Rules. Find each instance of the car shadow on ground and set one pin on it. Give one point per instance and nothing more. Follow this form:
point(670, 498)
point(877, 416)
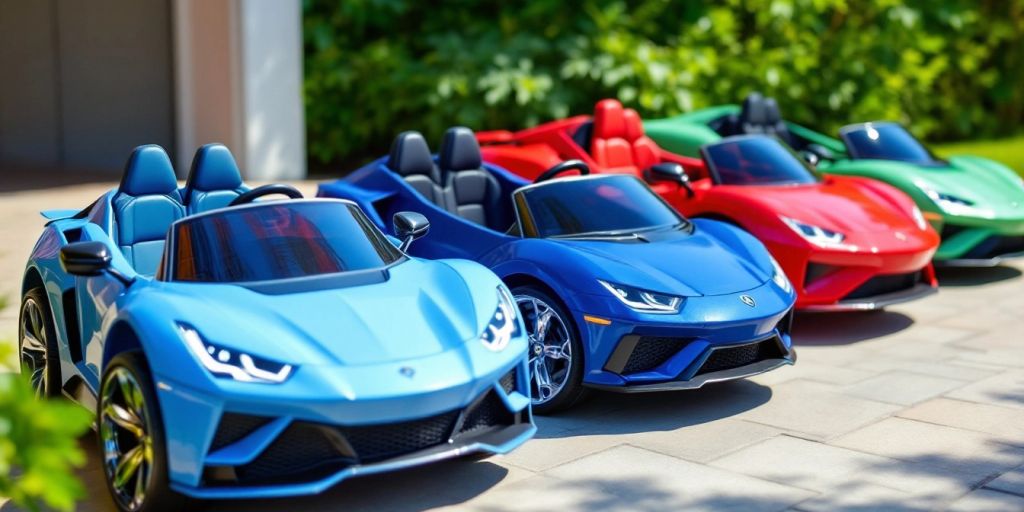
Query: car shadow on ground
point(608, 413)
point(973, 276)
point(830, 329)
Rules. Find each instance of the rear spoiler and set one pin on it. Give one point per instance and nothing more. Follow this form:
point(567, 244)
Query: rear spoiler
point(58, 214)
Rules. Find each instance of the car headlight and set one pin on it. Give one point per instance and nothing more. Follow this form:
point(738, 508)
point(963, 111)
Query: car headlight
point(779, 276)
point(229, 363)
point(504, 324)
point(814, 234)
point(952, 204)
point(919, 219)
point(644, 300)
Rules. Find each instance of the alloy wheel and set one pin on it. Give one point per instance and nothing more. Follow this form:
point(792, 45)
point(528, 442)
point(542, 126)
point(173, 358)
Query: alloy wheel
point(126, 438)
point(551, 357)
point(34, 351)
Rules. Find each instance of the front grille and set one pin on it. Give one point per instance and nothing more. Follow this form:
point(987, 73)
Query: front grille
point(487, 413)
point(994, 246)
point(727, 358)
point(508, 382)
point(378, 442)
point(880, 285)
point(651, 352)
point(301, 448)
point(235, 427)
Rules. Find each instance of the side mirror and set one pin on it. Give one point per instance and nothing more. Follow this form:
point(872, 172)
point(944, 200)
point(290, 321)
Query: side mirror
point(86, 259)
point(667, 171)
point(410, 226)
point(90, 259)
point(810, 157)
point(821, 152)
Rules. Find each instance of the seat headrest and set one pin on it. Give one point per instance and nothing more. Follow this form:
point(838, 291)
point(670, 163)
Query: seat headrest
point(459, 150)
point(410, 155)
point(608, 120)
point(634, 127)
point(771, 111)
point(213, 168)
point(753, 109)
point(149, 172)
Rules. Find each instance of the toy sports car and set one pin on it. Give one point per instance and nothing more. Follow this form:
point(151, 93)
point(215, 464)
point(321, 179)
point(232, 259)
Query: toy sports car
point(975, 203)
point(618, 291)
point(264, 348)
point(845, 243)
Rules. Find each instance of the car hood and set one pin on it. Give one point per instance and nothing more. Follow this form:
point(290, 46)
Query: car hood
point(837, 204)
point(423, 308)
point(680, 263)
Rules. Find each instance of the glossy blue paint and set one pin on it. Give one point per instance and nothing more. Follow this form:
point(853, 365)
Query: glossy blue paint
point(711, 267)
point(376, 354)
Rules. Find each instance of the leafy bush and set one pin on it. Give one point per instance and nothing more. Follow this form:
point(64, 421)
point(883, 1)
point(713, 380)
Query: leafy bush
point(948, 68)
point(38, 444)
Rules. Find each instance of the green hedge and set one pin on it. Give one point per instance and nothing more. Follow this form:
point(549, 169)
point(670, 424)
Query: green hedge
point(951, 69)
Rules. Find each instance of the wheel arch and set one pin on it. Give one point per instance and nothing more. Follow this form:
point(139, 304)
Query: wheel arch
point(32, 279)
point(121, 338)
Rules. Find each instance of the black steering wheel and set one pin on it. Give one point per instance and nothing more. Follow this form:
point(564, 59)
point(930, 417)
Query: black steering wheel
point(266, 190)
point(566, 166)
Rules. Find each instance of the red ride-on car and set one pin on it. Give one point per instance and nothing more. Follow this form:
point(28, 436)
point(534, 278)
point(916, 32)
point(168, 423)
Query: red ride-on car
point(845, 243)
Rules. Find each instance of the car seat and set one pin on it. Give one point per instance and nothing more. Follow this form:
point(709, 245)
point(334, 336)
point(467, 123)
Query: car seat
point(213, 181)
point(145, 205)
point(475, 194)
point(410, 158)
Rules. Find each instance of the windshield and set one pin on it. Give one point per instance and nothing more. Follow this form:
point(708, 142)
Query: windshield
point(600, 205)
point(885, 141)
point(755, 160)
point(279, 240)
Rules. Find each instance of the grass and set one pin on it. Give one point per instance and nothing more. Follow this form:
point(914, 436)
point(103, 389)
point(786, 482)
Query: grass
point(1010, 151)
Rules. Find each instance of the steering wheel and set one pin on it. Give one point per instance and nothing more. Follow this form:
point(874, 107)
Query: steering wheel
point(566, 166)
point(266, 190)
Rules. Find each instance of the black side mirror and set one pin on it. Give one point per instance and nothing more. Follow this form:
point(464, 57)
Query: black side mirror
point(86, 259)
point(90, 259)
point(810, 157)
point(410, 226)
point(667, 171)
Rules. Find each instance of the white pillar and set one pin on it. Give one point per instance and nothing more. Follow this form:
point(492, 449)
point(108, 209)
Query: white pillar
point(238, 80)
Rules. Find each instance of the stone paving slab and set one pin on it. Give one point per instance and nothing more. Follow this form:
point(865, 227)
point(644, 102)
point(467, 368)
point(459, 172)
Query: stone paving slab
point(919, 407)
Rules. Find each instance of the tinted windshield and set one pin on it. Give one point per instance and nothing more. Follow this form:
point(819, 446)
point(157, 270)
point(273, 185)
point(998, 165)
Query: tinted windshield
point(614, 204)
point(755, 161)
point(279, 240)
point(885, 141)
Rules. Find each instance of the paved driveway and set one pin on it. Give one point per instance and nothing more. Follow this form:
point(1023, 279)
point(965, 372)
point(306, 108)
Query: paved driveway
point(917, 407)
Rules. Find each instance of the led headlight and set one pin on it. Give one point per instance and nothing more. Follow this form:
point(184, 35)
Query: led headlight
point(919, 218)
point(643, 300)
point(952, 204)
point(229, 363)
point(814, 234)
point(504, 324)
point(779, 276)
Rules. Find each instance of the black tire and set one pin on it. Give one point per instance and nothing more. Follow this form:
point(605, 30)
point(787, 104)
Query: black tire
point(157, 494)
point(572, 391)
point(37, 344)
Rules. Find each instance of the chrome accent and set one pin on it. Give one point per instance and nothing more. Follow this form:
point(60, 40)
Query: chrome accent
point(550, 348)
point(124, 427)
point(33, 347)
point(877, 302)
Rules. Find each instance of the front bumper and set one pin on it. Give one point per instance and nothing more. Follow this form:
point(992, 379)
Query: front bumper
point(227, 448)
point(875, 302)
point(688, 349)
point(755, 366)
point(964, 246)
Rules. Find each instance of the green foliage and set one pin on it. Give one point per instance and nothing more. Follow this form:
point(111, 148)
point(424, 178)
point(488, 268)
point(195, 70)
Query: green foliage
point(38, 445)
point(948, 68)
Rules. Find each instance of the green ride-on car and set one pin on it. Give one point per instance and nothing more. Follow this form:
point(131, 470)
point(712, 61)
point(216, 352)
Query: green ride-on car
point(976, 204)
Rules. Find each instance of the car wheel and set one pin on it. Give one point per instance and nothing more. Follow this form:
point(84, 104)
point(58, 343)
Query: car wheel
point(37, 344)
point(132, 439)
point(556, 354)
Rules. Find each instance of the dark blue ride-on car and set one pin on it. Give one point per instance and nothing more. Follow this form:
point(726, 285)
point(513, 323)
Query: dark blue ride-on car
point(618, 291)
